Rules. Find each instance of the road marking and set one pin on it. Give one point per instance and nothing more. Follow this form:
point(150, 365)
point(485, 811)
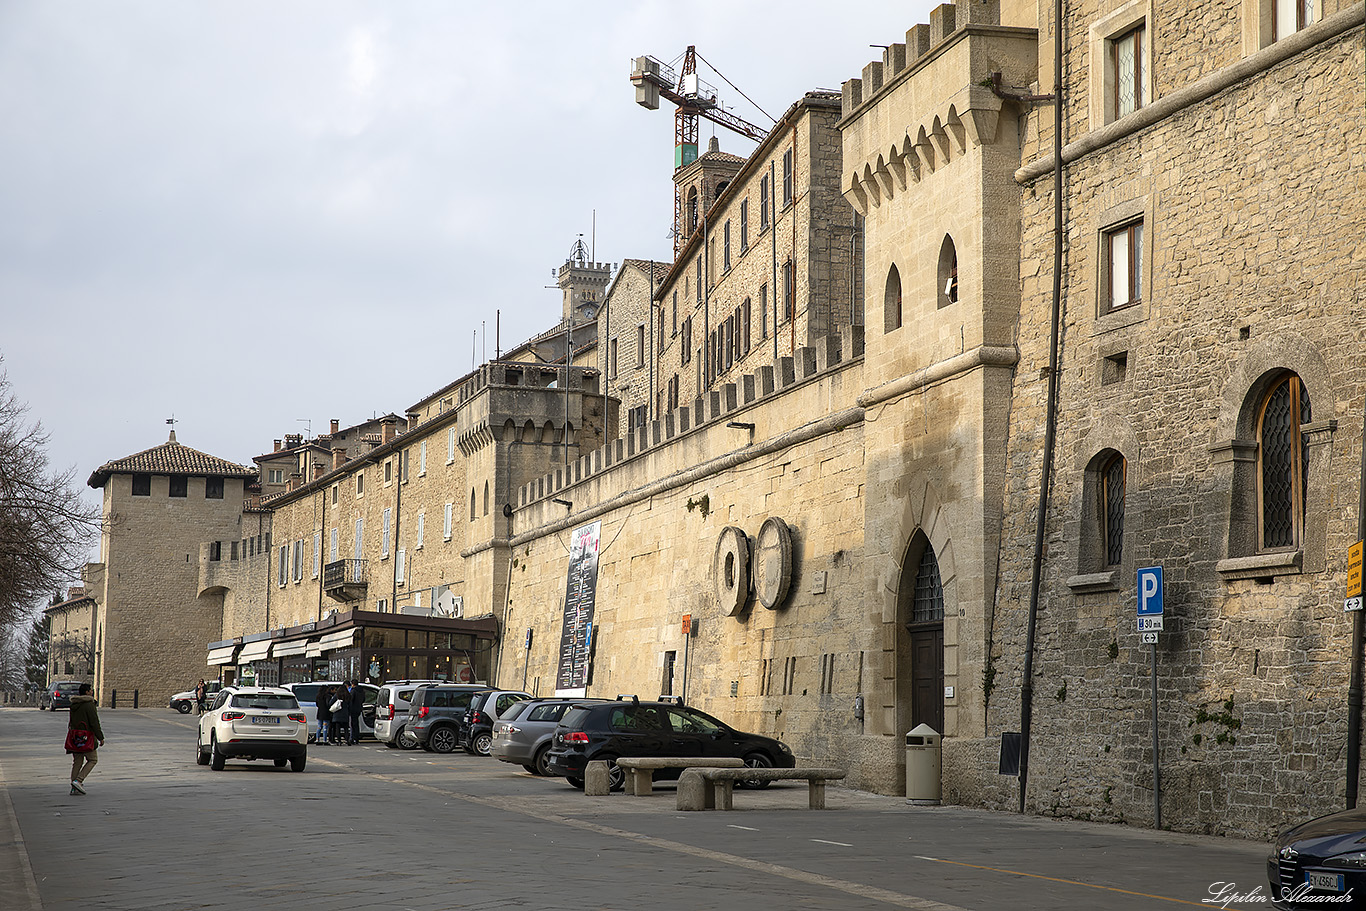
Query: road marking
point(746, 828)
point(822, 841)
point(1070, 882)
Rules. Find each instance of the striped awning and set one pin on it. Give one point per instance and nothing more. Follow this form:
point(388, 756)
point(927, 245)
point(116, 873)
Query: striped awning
point(223, 655)
point(290, 649)
point(254, 651)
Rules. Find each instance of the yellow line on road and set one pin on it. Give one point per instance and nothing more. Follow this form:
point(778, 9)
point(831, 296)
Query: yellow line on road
point(1070, 882)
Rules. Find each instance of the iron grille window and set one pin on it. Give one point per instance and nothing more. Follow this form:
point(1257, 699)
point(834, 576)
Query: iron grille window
point(929, 591)
point(1284, 463)
point(1112, 509)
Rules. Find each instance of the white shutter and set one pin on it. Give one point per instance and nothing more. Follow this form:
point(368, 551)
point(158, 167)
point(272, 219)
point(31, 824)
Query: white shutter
point(360, 530)
point(421, 527)
point(384, 535)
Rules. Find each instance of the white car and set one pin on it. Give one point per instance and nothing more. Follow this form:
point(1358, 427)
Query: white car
point(184, 702)
point(253, 722)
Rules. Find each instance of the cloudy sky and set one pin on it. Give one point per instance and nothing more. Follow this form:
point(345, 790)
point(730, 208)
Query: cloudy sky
point(257, 216)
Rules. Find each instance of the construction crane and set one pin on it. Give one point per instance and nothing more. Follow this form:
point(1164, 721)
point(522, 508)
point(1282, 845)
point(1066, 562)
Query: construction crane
point(694, 98)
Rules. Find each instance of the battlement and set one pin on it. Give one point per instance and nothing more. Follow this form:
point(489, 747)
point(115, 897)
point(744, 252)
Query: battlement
point(830, 354)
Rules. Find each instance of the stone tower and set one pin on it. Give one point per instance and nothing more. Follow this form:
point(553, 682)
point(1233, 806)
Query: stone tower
point(583, 284)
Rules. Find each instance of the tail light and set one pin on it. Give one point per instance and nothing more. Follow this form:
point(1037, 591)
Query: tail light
point(576, 737)
point(422, 712)
point(388, 713)
point(478, 718)
point(233, 716)
point(297, 716)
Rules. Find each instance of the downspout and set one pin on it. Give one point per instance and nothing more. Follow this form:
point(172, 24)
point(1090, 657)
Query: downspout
point(706, 302)
point(398, 517)
point(1051, 422)
point(792, 273)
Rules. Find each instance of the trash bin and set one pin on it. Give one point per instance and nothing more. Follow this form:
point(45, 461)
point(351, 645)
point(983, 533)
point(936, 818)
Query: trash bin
point(923, 786)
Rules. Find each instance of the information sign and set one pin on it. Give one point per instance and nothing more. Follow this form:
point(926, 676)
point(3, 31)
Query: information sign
point(1354, 571)
point(1149, 639)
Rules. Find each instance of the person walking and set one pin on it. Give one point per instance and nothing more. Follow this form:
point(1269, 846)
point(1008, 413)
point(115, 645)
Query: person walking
point(201, 692)
point(84, 718)
point(324, 698)
point(355, 705)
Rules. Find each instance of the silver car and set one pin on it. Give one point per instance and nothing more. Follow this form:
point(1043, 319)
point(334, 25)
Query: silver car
point(523, 737)
point(391, 712)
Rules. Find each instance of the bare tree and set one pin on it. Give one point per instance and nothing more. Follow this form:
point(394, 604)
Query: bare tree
point(45, 528)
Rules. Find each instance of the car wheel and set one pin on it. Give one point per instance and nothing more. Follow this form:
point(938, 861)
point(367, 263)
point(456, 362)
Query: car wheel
point(280, 763)
point(298, 762)
point(575, 782)
point(200, 757)
point(757, 761)
point(182, 707)
point(406, 740)
point(442, 740)
point(216, 759)
point(541, 762)
point(482, 744)
point(616, 775)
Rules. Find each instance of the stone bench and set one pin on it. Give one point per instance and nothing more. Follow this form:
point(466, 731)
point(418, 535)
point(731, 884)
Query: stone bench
point(708, 789)
point(640, 769)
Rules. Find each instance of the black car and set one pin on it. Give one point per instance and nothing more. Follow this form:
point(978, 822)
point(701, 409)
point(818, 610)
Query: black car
point(608, 730)
point(58, 695)
point(1320, 860)
point(475, 727)
point(435, 712)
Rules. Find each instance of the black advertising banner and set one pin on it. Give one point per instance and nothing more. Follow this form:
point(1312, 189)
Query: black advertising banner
point(580, 594)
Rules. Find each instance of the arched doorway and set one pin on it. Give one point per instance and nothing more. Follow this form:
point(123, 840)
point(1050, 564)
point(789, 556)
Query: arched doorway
point(920, 657)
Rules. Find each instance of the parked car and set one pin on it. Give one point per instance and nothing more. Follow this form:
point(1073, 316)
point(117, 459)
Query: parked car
point(525, 734)
point(475, 727)
point(58, 695)
point(589, 732)
point(1319, 861)
point(434, 711)
point(253, 722)
point(391, 712)
point(184, 702)
point(307, 694)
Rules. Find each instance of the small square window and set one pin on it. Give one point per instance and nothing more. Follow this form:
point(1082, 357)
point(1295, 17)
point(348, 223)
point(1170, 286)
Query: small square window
point(1113, 368)
point(142, 485)
point(180, 485)
point(360, 485)
point(213, 488)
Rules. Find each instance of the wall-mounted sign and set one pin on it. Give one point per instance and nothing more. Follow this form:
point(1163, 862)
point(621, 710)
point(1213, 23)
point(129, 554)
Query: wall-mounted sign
point(580, 595)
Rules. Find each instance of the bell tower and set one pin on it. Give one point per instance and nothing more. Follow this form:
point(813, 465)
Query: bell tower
point(583, 284)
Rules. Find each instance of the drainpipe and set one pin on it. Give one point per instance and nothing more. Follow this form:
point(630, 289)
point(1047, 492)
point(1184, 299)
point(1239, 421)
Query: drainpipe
point(1051, 423)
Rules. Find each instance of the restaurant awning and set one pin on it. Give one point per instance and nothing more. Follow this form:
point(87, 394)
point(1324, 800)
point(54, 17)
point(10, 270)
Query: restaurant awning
point(222, 655)
point(290, 649)
point(337, 640)
point(254, 651)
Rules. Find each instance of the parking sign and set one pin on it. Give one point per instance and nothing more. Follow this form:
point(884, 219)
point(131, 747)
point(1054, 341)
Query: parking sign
point(1150, 592)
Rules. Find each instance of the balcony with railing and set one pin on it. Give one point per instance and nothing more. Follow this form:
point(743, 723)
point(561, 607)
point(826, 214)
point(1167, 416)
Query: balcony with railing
point(346, 580)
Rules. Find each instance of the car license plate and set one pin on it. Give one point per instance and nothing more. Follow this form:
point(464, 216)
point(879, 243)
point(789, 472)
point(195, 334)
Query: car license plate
point(1324, 882)
point(265, 719)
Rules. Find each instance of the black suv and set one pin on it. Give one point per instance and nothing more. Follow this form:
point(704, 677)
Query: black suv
point(607, 730)
point(434, 713)
point(475, 728)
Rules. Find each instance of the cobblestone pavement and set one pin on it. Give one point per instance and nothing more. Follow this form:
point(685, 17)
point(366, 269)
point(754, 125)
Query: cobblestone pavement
point(368, 827)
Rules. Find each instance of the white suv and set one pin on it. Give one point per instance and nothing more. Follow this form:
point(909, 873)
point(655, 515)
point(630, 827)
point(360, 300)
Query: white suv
point(253, 722)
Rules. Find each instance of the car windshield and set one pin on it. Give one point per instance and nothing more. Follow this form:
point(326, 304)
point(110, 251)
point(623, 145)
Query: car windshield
point(264, 701)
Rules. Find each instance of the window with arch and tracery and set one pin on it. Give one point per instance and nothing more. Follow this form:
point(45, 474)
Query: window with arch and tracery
point(1282, 464)
point(928, 603)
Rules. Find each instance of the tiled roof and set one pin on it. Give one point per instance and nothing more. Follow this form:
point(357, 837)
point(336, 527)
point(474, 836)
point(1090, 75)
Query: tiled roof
point(170, 458)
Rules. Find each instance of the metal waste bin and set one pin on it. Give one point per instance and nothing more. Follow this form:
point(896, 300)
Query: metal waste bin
point(923, 786)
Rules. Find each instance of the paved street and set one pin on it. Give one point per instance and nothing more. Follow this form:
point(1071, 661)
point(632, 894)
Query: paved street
point(367, 827)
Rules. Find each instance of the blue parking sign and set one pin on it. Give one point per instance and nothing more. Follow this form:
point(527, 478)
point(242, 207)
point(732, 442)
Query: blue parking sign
point(1150, 592)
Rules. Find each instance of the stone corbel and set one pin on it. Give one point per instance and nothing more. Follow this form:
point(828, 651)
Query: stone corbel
point(940, 138)
point(856, 197)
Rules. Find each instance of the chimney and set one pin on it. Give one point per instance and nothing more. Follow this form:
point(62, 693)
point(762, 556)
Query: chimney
point(338, 458)
point(74, 592)
point(277, 446)
point(336, 426)
point(317, 470)
point(389, 430)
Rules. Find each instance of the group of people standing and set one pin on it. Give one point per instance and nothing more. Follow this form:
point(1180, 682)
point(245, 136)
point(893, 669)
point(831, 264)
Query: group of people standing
point(339, 711)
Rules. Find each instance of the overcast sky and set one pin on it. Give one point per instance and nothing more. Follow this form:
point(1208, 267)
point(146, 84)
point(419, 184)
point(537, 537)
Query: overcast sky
point(257, 216)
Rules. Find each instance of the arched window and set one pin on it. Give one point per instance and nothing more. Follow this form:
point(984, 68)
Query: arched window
point(1282, 463)
point(1111, 508)
point(486, 498)
point(948, 273)
point(471, 504)
point(891, 302)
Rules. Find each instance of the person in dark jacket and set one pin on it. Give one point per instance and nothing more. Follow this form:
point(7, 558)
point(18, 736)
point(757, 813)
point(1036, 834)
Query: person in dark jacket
point(84, 715)
point(325, 698)
point(355, 704)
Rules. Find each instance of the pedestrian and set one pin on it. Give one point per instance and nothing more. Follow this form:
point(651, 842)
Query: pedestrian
point(338, 697)
point(324, 698)
point(83, 737)
point(355, 704)
point(201, 692)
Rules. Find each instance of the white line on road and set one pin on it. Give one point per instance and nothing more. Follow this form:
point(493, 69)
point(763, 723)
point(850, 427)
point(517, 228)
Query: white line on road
point(746, 828)
point(822, 841)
